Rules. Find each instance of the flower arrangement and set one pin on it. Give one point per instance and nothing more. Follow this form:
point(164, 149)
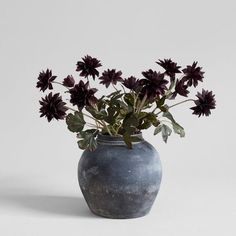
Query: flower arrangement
point(135, 105)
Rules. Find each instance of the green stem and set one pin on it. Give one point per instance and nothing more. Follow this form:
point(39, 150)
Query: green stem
point(176, 104)
point(154, 109)
point(135, 100)
point(108, 130)
point(123, 89)
point(141, 104)
point(114, 87)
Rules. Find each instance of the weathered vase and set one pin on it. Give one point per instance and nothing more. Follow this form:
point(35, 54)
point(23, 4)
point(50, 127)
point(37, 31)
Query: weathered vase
point(118, 182)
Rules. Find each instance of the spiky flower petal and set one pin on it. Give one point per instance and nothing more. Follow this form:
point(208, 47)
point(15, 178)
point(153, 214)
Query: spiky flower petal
point(131, 83)
point(171, 67)
point(69, 81)
point(88, 66)
point(110, 77)
point(193, 74)
point(52, 106)
point(153, 84)
point(204, 104)
point(45, 79)
point(81, 95)
point(181, 88)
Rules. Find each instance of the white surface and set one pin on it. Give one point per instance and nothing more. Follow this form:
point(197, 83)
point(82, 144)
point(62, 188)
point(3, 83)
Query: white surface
point(39, 193)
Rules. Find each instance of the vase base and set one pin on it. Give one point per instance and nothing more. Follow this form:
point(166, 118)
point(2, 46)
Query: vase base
point(123, 216)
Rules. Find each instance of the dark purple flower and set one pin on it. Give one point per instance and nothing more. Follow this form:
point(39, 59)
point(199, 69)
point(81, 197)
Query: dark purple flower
point(81, 95)
point(153, 85)
point(170, 67)
point(193, 74)
point(88, 66)
point(204, 103)
point(69, 81)
point(45, 80)
point(110, 77)
point(181, 88)
point(52, 106)
point(131, 83)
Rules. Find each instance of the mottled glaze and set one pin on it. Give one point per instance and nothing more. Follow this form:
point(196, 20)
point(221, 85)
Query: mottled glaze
point(118, 182)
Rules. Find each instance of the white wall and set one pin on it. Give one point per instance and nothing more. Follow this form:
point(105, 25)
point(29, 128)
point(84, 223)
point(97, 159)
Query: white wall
point(38, 161)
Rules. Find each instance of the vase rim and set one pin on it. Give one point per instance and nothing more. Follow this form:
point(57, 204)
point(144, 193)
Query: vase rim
point(105, 138)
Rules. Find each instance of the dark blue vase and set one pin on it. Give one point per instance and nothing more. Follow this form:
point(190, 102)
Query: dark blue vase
point(118, 182)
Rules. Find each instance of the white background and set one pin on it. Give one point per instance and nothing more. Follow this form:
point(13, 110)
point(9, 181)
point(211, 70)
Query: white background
point(39, 193)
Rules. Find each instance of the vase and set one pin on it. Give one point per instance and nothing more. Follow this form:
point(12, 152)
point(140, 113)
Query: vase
point(118, 182)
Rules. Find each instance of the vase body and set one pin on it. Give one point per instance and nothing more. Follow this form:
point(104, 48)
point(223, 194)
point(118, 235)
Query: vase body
point(118, 182)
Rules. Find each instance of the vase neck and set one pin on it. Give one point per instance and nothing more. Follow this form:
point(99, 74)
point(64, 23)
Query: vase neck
point(116, 140)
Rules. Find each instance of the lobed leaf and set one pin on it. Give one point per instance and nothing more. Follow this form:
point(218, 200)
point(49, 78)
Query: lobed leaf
point(75, 122)
point(88, 139)
point(166, 132)
point(178, 129)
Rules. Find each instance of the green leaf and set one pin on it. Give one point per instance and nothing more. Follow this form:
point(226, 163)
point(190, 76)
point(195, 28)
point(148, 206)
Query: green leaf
point(153, 119)
point(121, 104)
point(142, 115)
point(158, 129)
point(130, 122)
point(99, 115)
point(114, 94)
point(145, 124)
point(116, 97)
point(130, 139)
point(127, 139)
point(82, 144)
point(101, 103)
point(88, 139)
point(161, 101)
point(135, 139)
point(147, 119)
point(166, 132)
point(178, 129)
point(113, 112)
point(75, 123)
point(168, 115)
point(129, 99)
point(164, 108)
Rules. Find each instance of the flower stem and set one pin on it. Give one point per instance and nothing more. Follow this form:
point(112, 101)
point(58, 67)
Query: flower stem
point(154, 109)
point(70, 108)
point(176, 104)
point(114, 87)
point(55, 82)
point(139, 108)
point(108, 130)
point(135, 96)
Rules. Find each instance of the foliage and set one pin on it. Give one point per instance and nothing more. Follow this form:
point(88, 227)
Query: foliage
point(135, 105)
